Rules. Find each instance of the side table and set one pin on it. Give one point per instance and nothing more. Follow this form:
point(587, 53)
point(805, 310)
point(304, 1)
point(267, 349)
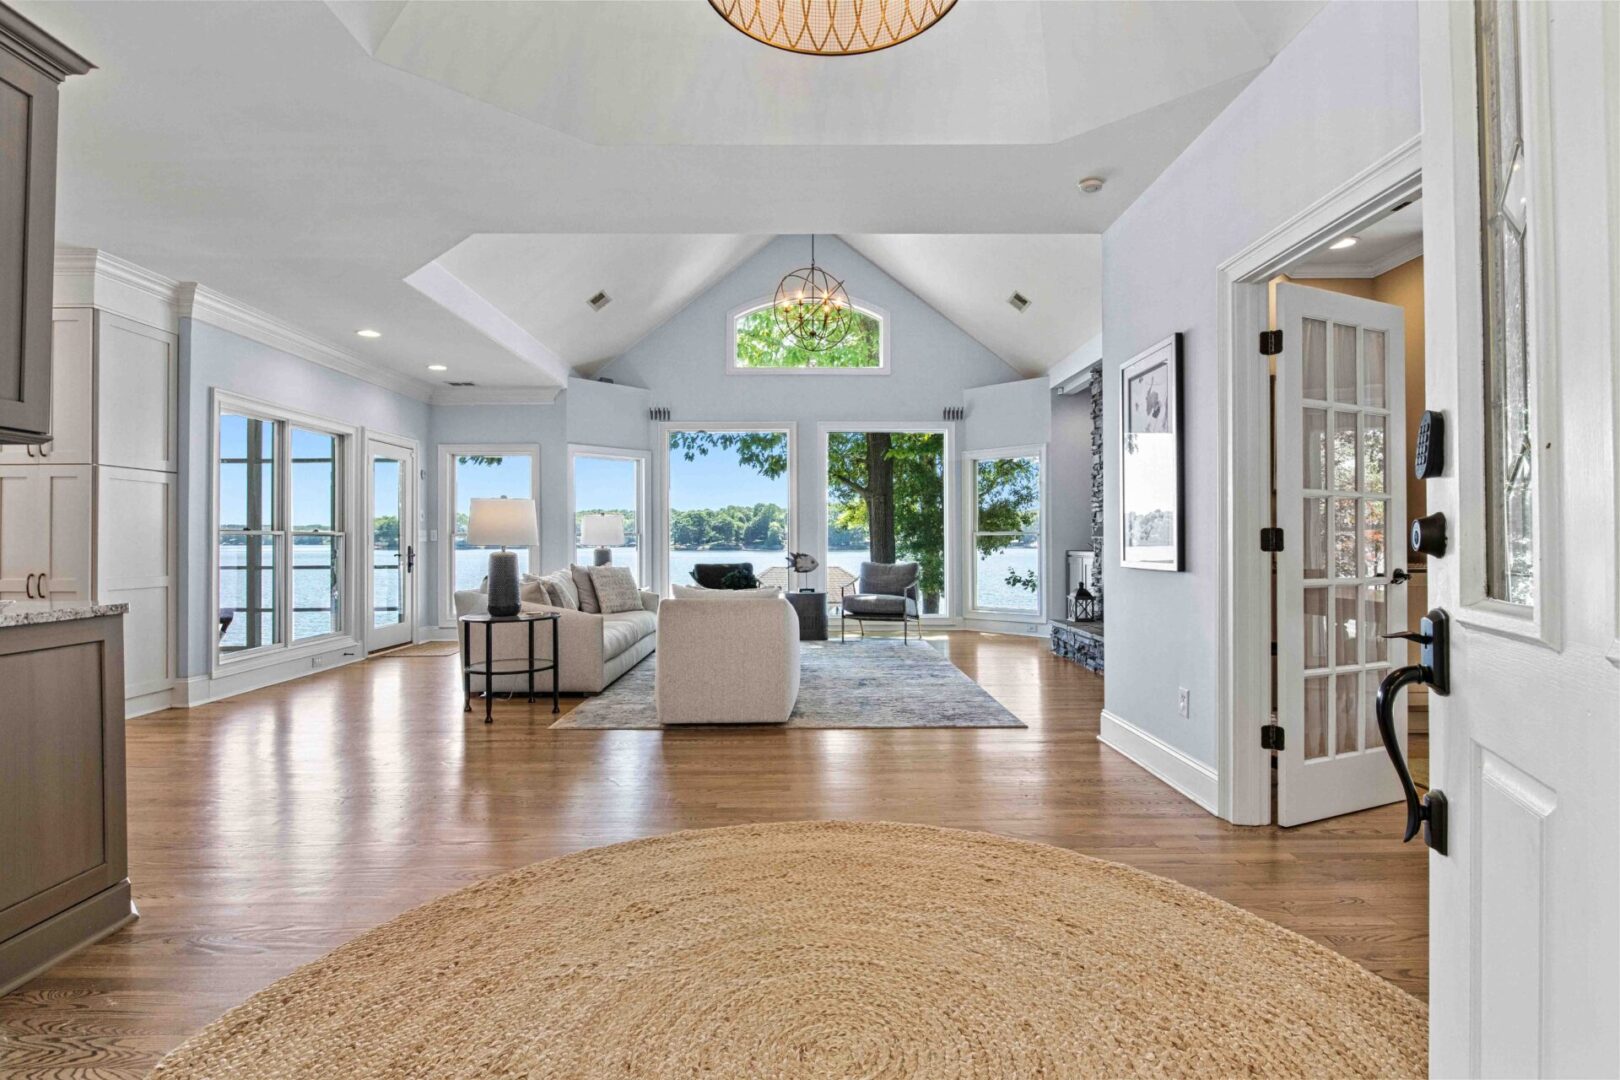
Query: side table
point(492, 667)
point(812, 609)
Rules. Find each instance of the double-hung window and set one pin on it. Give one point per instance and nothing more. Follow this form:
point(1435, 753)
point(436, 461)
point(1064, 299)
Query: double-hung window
point(280, 549)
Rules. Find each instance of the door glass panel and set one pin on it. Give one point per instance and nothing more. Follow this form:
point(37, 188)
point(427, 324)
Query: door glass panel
point(1344, 364)
point(1346, 719)
point(1315, 449)
point(387, 563)
point(1510, 482)
point(1372, 452)
point(1373, 623)
point(1373, 739)
point(1316, 628)
point(1316, 717)
point(1373, 368)
point(1345, 627)
point(1316, 538)
point(1344, 538)
point(1372, 538)
point(1314, 348)
point(1344, 451)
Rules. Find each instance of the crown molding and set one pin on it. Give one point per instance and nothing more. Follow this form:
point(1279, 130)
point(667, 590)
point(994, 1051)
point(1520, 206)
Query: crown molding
point(496, 395)
point(26, 40)
point(89, 277)
point(202, 304)
point(1399, 257)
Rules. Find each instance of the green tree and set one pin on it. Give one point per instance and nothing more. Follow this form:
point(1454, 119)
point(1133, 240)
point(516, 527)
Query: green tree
point(893, 485)
point(760, 344)
point(1008, 491)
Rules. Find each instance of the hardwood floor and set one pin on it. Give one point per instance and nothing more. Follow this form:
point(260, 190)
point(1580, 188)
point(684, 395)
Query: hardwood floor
point(267, 829)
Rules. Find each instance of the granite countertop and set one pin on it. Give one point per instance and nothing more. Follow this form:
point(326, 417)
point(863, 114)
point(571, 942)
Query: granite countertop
point(33, 617)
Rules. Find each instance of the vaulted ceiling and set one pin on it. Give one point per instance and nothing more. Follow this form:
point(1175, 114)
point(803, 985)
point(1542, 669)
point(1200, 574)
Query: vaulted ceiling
point(310, 159)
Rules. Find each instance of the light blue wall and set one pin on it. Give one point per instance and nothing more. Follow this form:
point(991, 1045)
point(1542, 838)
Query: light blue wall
point(213, 358)
point(682, 364)
point(1342, 95)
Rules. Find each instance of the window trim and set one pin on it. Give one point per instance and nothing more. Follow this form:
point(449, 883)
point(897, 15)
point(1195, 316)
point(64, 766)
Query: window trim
point(788, 427)
point(970, 513)
point(445, 513)
point(736, 313)
point(222, 402)
point(643, 461)
point(952, 604)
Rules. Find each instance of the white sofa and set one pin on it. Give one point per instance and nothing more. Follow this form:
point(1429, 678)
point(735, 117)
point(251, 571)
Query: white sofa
point(727, 660)
point(596, 649)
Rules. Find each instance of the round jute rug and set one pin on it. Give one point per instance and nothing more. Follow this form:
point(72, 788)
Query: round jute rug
point(820, 949)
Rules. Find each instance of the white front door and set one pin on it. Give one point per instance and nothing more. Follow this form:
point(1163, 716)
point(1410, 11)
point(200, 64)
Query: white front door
point(1521, 158)
point(391, 543)
point(1341, 494)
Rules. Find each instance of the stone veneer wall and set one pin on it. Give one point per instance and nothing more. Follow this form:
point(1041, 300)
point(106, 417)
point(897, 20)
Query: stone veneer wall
point(1096, 583)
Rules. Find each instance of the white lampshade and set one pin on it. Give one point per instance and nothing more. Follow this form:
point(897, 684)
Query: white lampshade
point(502, 523)
point(601, 530)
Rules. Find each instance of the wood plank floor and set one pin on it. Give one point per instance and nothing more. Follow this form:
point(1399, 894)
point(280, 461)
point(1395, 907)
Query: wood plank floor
point(267, 829)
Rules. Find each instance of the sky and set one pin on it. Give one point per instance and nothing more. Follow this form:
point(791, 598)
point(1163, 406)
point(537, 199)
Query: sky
point(719, 479)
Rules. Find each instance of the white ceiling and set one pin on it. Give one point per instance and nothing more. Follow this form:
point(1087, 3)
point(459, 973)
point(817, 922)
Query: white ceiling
point(655, 71)
point(969, 279)
point(260, 149)
point(1392, 240)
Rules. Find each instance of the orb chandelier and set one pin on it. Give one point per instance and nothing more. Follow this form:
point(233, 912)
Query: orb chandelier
point(832, 27)
point(812, 308)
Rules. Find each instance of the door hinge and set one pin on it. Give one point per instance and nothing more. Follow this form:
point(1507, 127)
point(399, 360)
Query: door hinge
point(1271, 737)
point(1271, 539)
point(1270, 342)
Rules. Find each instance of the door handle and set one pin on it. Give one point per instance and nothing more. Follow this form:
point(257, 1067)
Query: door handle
point(1399, 577)
point(410, 559)
point(1433, 670)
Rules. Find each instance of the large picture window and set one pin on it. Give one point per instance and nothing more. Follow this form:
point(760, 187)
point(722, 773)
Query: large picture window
point(1006, 525)
point(281, 540)
point(480, 471)
point(730, 499)
point(758, 345)
point(886, 503)
point(611, 483)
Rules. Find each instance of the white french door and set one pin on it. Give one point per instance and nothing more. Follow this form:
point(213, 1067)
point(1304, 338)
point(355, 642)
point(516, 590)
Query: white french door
point(1341, 496)
point(1521, 158)
point(391, 543)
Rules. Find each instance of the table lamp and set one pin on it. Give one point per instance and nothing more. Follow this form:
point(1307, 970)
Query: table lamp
point(603, 532)
point(503, 523)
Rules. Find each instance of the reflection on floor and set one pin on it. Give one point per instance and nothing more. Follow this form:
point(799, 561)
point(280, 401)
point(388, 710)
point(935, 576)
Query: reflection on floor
point(269, 828)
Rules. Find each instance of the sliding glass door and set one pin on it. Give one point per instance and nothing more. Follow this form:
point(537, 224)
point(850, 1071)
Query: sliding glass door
point(730, 499)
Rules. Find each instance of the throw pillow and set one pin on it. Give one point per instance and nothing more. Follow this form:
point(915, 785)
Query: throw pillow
point(560, 586)
point(615, 589)
point(536, 592)
point(586, 590)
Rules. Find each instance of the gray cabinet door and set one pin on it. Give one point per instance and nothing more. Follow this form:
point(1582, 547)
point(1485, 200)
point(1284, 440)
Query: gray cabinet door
point(28, 101)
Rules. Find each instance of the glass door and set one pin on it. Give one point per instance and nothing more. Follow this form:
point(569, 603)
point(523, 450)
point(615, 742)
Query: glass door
point(391, 562)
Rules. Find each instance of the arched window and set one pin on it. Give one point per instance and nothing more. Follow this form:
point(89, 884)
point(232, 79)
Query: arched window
point(756, 345)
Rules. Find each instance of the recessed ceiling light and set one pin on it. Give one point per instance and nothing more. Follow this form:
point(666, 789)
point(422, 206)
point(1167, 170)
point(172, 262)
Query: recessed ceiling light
point(1090, 184)
point(369, 333)
point(1342, 243)
point(437, 367)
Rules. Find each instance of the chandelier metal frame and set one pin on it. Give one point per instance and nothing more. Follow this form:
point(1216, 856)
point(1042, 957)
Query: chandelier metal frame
point(812, 307)
point(832, 27)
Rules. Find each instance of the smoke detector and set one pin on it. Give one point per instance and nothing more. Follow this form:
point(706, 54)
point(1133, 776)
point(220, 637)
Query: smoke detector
point(1090, 184)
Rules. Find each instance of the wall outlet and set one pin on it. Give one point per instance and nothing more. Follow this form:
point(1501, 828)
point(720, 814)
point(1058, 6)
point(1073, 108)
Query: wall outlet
point(1182, 704)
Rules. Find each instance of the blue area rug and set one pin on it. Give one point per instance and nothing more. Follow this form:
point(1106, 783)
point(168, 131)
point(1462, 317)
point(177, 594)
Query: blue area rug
point(856, 684)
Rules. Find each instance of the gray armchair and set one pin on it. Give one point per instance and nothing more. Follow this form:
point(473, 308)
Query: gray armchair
point(885, 592)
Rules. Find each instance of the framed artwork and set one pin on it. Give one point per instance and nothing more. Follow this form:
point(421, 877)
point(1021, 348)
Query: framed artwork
point(1150, 496)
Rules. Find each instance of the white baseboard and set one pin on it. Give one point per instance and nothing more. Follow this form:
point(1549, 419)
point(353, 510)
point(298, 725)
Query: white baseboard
point(995, 625)
point(1187, 775)
point(202, 689)
point(149, 702)
point(425, 634)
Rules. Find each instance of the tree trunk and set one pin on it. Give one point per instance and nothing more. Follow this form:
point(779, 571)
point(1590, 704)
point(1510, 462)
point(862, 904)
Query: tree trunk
point(880, 496)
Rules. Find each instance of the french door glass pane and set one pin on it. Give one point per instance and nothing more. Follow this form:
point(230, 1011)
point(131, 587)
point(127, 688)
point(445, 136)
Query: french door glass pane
point(1373, 368)
point(1510, 482)
point(1344, 538)
point(1344, 451)
point(1346, 627)
point(1344, 364)
point(1373, 541)
point(1373, 428)
point(247, 592)
point(1347, 703)
point(607, 485)
point(1316, 717)
point(1375, 623)
point(1314, 385)
point(485, 476)
point(387, 563)
point(1316, 538)
point(1316, 628)
point(905, 471)
point(1316, 454)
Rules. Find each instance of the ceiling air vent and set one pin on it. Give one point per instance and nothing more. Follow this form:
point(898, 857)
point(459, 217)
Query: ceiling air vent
point(454, 383)
point(599, 301)
point(1019, 301)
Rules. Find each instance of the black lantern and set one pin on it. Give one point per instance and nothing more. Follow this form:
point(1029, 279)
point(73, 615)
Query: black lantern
point(1082, 605)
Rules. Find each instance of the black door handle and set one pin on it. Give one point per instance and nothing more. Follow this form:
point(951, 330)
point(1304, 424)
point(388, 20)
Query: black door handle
point(1433, 670)
point(1399, 577)
point(410, 559)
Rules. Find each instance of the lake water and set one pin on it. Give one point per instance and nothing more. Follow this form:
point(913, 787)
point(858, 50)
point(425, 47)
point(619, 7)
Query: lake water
point(312, 580)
